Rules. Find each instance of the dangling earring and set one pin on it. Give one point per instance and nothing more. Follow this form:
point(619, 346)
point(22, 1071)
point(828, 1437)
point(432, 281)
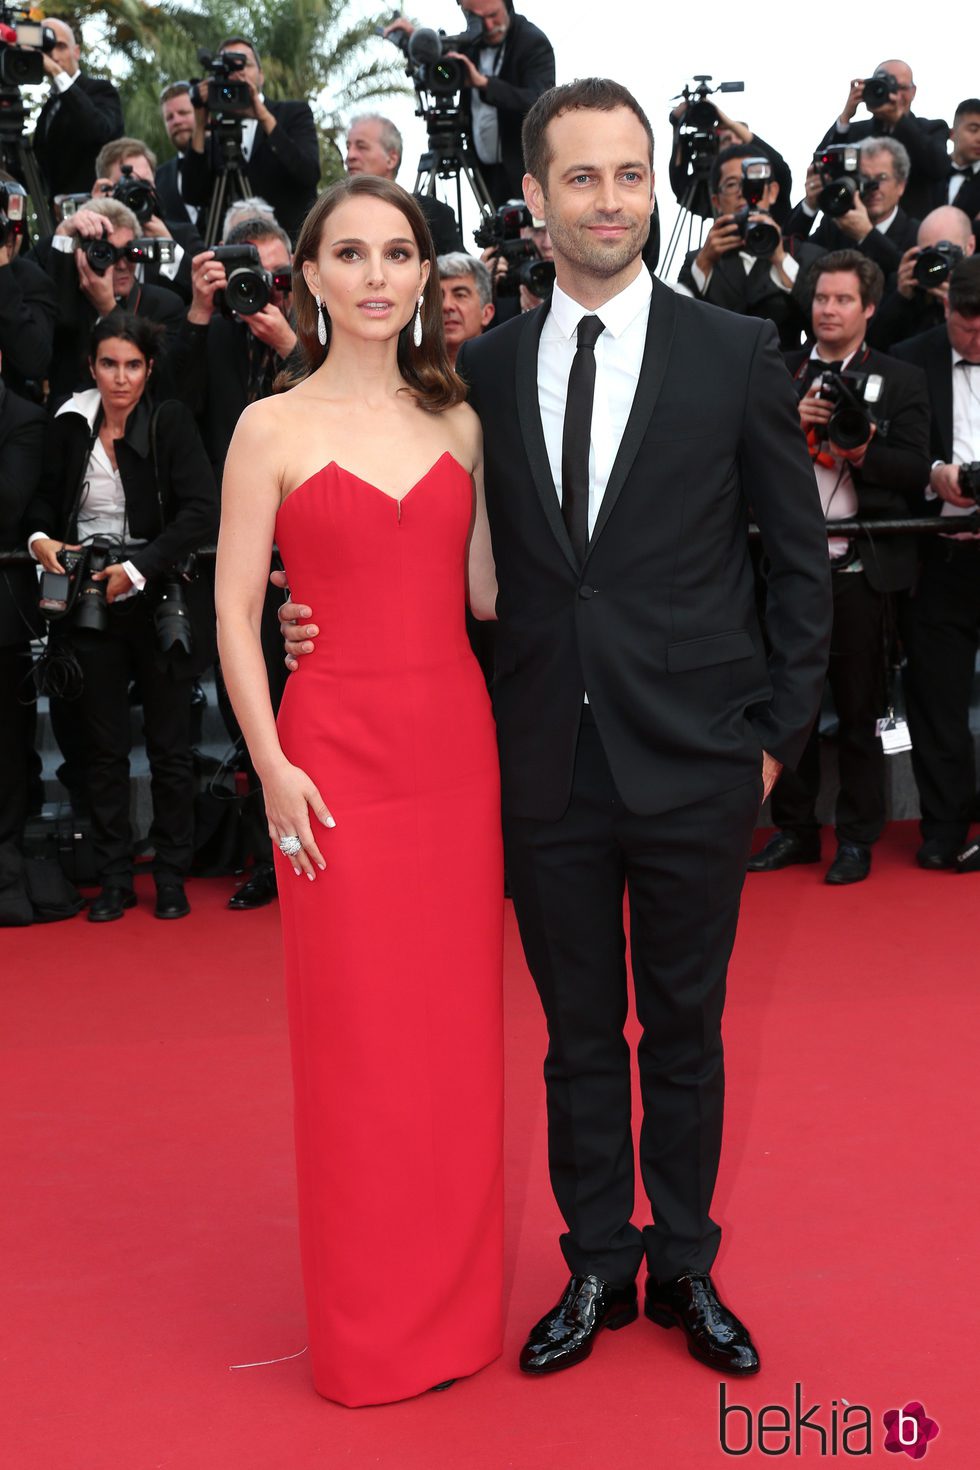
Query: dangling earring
point(321, 323)
point(417, 329)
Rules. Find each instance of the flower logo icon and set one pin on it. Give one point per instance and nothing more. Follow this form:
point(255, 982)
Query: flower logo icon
point(909, 1429)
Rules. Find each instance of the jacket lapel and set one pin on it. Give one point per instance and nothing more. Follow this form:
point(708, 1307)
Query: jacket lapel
point(942, 373)
point(656, 353)
point(529, 416)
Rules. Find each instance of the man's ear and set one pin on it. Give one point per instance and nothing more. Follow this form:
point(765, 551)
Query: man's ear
point(534, 196)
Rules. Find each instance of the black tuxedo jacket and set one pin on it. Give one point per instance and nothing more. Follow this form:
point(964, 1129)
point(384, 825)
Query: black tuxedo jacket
point(933, 354)
point(172, 200)
point(891, 483)
point(526, 71)
point(71, 128)
point(756, 294)
point(885, 247)
point(925, 142)
point(22, 430)
point(171, 503)
point(28, 314)
point(660, 623)
point(284, 168)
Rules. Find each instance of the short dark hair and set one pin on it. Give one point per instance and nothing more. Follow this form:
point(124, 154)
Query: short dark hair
point(734, 150)
point(871, 280)
point(174, 89)
point(964, 287)
point(241, 41)
point(592, 94)
point(146, 336)
point(967, 108)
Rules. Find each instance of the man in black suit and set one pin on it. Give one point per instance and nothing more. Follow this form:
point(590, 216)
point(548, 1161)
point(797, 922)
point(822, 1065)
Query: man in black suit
point(961, 185)
point(924, 139)
point(727, 134)
point(28, 311)
point(941, 628)
point(876, 224)
point(374, 146)
point(178, 119)
point(774, 285)
point(81, 114)
point(507, 69)
point(878, 477)
point(155, 224)
point(910, 308)
point(639, 718)
point(280, 148)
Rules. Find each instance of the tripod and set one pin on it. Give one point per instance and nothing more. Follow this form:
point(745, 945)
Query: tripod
point(18, 156)
point(695, 206)
point(231, 183)
point(450, 156)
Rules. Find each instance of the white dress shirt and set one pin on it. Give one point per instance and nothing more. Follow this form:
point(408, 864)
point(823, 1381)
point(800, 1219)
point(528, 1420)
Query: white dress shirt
point(838, 496)
point(956, 182)
point(618, 358)
point(966, 427)
point(790, 268)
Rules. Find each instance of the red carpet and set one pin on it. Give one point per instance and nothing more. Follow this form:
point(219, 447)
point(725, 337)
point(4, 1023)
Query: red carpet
point(148, 1238)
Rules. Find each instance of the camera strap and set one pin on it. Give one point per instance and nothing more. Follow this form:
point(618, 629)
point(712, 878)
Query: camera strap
point(82, 484)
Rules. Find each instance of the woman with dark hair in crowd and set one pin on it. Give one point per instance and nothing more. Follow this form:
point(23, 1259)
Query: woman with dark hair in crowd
point(118, 471)
point(381, 788)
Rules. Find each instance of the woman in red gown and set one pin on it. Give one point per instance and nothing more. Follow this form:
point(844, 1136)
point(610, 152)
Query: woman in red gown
point(383, 770)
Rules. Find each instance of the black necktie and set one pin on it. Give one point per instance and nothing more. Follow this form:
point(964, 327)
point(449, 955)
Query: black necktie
point(577, 436)
point(965, 362)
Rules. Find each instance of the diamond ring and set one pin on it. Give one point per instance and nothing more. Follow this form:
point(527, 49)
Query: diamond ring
point(290, 846)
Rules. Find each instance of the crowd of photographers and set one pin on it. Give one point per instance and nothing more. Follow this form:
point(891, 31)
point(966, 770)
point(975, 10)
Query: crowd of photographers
point(156, 305)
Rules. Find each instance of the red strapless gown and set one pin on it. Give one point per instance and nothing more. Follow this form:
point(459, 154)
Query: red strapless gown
point(393, 956)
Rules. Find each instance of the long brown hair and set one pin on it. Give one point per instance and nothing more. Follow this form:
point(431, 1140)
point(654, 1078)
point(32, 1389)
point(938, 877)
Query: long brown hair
point(426, 369)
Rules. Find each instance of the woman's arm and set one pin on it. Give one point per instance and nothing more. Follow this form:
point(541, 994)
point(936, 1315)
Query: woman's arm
point(250, 498)
point(481, 574)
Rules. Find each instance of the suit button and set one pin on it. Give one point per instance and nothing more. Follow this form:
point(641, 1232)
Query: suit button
point(587, 591)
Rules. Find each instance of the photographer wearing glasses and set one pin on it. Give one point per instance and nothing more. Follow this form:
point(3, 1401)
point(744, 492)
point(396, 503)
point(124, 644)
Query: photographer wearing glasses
point(917, 303)
point(94, 261)
point(726, 134)
point(860, 193)
point(866, 419)
point(745, 264)
point(116, 472)
point(888, 96)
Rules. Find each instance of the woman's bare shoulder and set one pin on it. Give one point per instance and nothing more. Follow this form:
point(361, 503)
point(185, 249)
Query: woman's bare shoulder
point(464, 426)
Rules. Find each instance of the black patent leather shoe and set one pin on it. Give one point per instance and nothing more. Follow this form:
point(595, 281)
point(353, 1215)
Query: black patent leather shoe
point(851, 865)
point(714, 1335)
point(566, 1335)
point(110, 904)
point(257, 891)
point(934, 855)
point(171, 901)
point(782, 851)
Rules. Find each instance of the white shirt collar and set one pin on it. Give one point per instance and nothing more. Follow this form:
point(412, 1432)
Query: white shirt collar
point(958, 356)
point(87, 403)
point(616, 314)
point(886, 224)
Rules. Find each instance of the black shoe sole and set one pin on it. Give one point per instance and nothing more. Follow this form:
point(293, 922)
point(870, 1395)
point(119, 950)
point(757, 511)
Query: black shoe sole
point(617, 1320)
point(793, 862)
point(128, 903)
point(666, 1319)
point(179, 914)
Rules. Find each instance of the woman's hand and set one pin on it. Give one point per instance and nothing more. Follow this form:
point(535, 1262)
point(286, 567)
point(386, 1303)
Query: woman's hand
point(290, 797)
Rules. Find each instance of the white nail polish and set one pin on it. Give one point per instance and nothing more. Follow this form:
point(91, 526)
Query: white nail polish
point(331, 822)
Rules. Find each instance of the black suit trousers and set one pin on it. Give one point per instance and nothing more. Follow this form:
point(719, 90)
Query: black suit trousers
point(856, 674)
point(683, 871)
point(109, 660)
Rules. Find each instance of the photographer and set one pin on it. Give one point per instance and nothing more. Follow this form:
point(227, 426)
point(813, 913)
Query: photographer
point(888, 97)
point(875, 222)
point(941, 628)
point(727, 134)
point(745, 265)
point(179, 118)
point(506, 70)
point(116, 471)
point(867, 421)
point(961, 186)
point(374, 146)
point(126, 170)
point(918, 301)
point(280, 148)
point(90, 263)
point(28, 305)
point(80, 115)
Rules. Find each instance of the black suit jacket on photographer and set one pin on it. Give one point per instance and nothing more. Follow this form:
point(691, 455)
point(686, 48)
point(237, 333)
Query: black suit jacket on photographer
point(755, 293)
point(171, 197)
point(442, 222)
point(890, 484)
point(22, 431)
point(933, 354)
point(527, 69)
point(284, 168)
point(171, 498)
point(884, 247)
point(923, 138)
point(899, 317)
point(28, 315)
point(71, 128)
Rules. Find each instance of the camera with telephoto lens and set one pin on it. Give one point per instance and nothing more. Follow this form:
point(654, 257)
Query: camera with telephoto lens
point(75, 592)
point(525, 266)
point(879, 89)
point(760, 237)
point(249, 287)
point(425, 52)
point(969, 483)
point(934, 263)
point(840, 172)
point(852, 395)
point(102, 255)
point(137, 194)
point(13, 211)
point(171, 619)
point(23, 44)
point(226, 96)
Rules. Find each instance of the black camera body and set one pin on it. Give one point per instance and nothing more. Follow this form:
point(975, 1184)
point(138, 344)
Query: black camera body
point(23, 43)
point(13, 212)
point(879, 89)
point(102, 255)
point(76, 593)
point(760, 237)
point(934, 263)
point(525, 267)
point(138, 195)
point(853, 395)
point(840, 172)
point(698, 128)
point(428, 64)
point(970, 480)
point(227, 97)
point(249, 286)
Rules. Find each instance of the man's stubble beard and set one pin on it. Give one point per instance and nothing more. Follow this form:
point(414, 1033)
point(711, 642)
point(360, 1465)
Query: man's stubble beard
point(575, 245)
